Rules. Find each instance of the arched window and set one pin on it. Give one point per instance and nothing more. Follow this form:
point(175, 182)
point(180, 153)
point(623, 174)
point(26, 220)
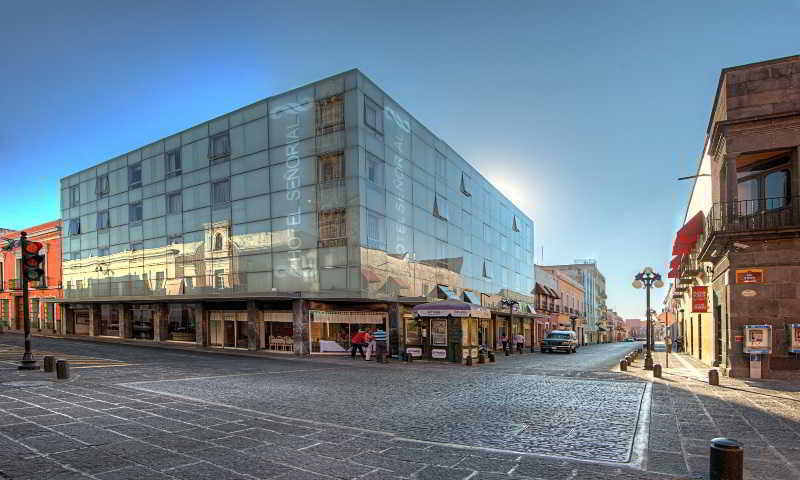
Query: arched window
point(218, 241)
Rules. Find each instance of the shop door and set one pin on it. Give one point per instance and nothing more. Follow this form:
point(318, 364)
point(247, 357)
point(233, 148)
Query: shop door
point(82, 322)
point(230, 333)
point(215, 333)
point(717, 331)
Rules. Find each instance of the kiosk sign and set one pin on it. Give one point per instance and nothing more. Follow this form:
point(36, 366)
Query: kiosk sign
point(758, 339)
point(794, 338)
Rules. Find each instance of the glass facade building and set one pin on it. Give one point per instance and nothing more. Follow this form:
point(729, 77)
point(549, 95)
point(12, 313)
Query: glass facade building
point(328, 193)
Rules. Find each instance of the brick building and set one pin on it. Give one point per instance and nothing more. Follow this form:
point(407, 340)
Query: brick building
point(45, 315)
point(737, 257)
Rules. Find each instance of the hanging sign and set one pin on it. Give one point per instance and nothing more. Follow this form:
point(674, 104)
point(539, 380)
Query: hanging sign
point(750, 275)
point(699, 299)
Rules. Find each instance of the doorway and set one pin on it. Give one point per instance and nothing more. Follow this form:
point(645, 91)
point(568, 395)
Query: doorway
point(228, 329)
point(717, 331)
point(19, 317)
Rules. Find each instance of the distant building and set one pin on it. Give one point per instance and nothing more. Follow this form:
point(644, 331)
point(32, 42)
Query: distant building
point(44, 313)
point(636, 328)
point(586, 273)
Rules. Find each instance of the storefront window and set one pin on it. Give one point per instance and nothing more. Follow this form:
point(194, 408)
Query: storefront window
point(413, 332)
point(228, 329)
point(331, 331)
point(438, 332)
point(34, 313)
point(469, 331)
point(81, 323)
point(279, 331)
point(181, 325)
point(143, 321)
point(109, 321)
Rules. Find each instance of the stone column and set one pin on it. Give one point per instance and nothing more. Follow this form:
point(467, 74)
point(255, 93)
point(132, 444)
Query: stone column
point(730, 186)
point(94, 319)
point(200, 325)
point(396, 328)
point(66, 313)
point(300, 326)
point(160, 330)
point(252, 325)
point(125, 320)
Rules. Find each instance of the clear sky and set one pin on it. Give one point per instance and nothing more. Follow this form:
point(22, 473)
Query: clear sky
point(584, 113)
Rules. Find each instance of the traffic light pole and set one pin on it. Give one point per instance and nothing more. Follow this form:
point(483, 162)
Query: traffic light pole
point(28, 362)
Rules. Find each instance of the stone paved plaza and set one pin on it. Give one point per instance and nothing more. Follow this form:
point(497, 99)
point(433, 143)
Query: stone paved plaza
point(164, 414)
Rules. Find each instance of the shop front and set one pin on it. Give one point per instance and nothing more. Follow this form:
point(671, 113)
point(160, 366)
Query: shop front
point(445, 330)
point(227, 329)
point(330, 331)
point(278, 331)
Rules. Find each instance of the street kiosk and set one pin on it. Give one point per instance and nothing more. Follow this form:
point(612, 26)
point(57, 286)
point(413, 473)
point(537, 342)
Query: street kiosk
point(757, 342)
point(444, 330)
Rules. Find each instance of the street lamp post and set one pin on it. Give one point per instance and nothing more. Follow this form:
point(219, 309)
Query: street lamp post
point(648, 279)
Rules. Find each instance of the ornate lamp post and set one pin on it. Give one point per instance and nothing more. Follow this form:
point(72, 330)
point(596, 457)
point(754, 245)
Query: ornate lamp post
point(510, 303)
point(648, 279)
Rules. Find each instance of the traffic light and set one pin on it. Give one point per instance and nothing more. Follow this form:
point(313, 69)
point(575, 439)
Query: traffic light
point(32, 261)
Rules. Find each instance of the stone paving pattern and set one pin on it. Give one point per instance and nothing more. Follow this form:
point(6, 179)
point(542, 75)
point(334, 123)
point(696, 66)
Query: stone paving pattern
point(94, 426)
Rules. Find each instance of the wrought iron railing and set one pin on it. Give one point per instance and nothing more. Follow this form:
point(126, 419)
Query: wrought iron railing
point(753, 215)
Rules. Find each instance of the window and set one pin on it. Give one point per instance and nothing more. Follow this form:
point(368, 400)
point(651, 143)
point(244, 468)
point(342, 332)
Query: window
point(514, 226)
point(102, 220)
point(372, 115)
point(373, 230)
point(465, 185)
point(135, 176)
point(103, 252)
point(221, 192)
point(135, 212)
point(441, 165)
point(374, 169)
point(331, 167)
point(219, 147)
point(218, 242)
point(440, 207)
point(34, 313)
point(219, 279)
point(763, 186)
point(174, 202)
point(4, 310)
point(74, 196)
point(74, 226)
point(330, 115)
point(173, 162)
point(332, 228)
point(101, 186)
point(137, 247)
point(159, 279)
point(175, 239)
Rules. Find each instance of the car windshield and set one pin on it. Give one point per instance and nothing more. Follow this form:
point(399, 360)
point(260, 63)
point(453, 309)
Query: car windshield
point(563, 336)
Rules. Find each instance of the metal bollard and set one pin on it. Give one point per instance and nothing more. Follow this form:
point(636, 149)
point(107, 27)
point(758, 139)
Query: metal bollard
point(713, 377)
point(491, 357)
point(657, 370)
point(623, 366)
point(49, 363)
point(469, 360)
point(506, 351)
point(481, 358)
point(726, 461)
point(62, 369)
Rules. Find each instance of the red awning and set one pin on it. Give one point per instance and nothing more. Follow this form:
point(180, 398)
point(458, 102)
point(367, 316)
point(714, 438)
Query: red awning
point(675, 262)
point(687, 235)
point(673, 274)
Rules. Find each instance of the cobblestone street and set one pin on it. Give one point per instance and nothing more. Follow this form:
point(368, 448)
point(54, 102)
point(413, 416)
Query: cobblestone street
point(174, 414)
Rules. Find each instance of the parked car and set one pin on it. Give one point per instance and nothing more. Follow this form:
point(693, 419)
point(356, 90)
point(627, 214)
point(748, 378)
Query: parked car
point(629, 339)
point(564, 340)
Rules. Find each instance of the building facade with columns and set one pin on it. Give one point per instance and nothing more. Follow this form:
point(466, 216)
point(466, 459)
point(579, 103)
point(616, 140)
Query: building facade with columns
point(736, 258)
point(287, 225)
point(44, 313)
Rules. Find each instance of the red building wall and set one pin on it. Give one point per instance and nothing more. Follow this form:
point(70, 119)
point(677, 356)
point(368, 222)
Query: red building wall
point(47, 316)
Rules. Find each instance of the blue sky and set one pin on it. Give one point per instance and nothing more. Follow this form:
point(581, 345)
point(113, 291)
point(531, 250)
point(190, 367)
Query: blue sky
point(583, 116)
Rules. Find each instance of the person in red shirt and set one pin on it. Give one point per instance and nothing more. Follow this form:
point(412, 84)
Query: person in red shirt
point(357, 342)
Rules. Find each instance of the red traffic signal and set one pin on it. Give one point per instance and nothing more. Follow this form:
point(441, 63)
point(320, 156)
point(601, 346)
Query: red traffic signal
point(32, 261)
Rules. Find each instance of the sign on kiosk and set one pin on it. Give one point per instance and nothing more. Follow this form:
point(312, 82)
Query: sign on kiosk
point(794, 338)
point(699, 299)
point(758, 339)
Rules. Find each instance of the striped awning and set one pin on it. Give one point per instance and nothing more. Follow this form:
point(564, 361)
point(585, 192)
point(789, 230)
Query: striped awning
point(376, 318)
point(282, 317)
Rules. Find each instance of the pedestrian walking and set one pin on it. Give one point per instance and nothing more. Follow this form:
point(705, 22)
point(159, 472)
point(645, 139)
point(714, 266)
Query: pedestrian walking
point(504, 341)
point(519, 340)
point(369, 345)
point(379, 337)
point(357, 342)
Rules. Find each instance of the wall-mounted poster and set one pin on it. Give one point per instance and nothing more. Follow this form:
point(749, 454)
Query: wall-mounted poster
point(414, 351)
point(699, 299)
point(439, 353)
point(438, 332)
point(758, 339)
point(794, 337)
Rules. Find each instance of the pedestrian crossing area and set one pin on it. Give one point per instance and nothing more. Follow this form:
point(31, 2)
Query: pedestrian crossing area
point(10, 355)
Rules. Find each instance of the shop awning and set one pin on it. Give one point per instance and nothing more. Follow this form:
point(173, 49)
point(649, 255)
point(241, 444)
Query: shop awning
point(539, 288)
point(673, 274)
point(450, 308)
point(282, 317)
point(675, 262)
point(376, 318)
point(369, 275)
point(553, 293)
point(471, 297)
point(687, 235)
point(445, 293)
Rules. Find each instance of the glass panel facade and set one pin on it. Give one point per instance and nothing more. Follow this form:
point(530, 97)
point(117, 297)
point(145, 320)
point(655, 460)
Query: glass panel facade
point(343, 192)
